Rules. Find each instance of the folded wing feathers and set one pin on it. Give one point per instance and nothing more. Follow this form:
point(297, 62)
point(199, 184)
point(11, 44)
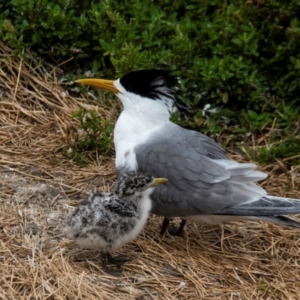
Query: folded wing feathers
point(242, 180)
point(241, 172)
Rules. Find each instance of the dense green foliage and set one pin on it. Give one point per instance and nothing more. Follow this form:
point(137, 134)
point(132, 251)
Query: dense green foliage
point(241, 57)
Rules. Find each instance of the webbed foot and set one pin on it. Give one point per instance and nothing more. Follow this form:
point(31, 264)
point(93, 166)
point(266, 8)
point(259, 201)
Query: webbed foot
point(118, 261)
point(113, 272)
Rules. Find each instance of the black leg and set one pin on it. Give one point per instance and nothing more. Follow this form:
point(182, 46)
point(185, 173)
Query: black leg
point(107, 256)
point(110, 258)
point(180, 230)
point(164, 226)
point(103, 260)
point(172, 230)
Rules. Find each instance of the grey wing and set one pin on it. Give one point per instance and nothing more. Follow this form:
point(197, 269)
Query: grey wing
point(265, 206)
point(205, 145)
point(197, 184)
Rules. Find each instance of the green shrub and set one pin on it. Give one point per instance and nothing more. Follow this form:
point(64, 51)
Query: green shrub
point(241, 57)
point(278, 151)
point(93, 134)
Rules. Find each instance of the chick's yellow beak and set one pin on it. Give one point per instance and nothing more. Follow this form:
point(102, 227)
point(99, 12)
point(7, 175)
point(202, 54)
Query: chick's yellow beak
point(158, 181)
point(100, 83)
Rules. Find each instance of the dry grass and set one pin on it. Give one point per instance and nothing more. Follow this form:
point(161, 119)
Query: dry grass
point(38, 186)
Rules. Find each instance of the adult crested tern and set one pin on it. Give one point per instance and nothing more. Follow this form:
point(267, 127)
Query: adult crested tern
point(204, 185)
point(107, 221)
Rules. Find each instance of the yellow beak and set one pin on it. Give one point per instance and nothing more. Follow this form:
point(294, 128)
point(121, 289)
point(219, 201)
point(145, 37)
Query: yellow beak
point(100, 83)
point(158, 181)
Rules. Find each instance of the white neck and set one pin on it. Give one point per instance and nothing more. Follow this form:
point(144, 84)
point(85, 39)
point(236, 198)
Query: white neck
point(140, 118)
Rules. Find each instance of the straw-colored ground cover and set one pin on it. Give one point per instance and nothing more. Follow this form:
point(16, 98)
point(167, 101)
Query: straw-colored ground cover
point(39, 188)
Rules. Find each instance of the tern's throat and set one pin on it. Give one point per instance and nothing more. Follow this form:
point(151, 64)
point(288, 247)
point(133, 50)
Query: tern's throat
point(130, 131)
point(140, 116)
point(133, 128)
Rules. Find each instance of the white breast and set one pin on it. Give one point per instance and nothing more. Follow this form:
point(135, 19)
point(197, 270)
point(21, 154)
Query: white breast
point(145, 210)
point(129, 132)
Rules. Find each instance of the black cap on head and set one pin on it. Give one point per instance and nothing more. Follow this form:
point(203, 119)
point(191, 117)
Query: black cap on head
point(149, 83)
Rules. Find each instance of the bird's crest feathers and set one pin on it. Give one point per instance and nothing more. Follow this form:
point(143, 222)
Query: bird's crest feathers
point(153, 84)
